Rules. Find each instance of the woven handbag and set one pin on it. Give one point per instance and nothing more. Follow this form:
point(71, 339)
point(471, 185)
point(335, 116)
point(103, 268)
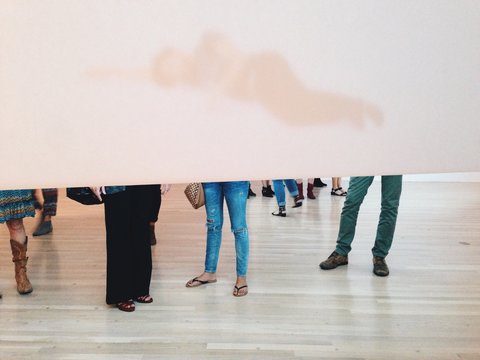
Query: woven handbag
point(195, 195)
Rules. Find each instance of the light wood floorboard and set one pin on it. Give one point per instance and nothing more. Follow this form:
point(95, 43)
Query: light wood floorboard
point(428, 308)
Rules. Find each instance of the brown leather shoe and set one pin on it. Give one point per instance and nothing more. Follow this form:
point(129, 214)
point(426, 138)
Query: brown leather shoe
point(334, 260)
point(380, 267)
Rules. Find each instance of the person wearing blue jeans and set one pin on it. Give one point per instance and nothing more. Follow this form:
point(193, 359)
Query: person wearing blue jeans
point(358, 188)
point(235, 193)
point(279, 188)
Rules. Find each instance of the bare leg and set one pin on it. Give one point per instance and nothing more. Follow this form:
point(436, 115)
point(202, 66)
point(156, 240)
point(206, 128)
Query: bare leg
point(17, 230)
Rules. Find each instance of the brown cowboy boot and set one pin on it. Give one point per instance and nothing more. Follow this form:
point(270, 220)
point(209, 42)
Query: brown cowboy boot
point(20, 259)
point(310, 194)
point(300, 191)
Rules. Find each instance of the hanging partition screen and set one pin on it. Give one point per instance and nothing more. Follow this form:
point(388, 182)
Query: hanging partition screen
point(131, 92)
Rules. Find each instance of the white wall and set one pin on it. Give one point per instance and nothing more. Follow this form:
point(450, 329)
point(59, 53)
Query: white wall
point(454, 177)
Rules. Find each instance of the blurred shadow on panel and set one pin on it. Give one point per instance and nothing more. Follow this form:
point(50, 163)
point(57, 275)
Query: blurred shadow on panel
point(264, 78)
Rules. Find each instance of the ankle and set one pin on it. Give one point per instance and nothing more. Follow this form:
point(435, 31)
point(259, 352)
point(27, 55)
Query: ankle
point(241, 280)
point(208, 276)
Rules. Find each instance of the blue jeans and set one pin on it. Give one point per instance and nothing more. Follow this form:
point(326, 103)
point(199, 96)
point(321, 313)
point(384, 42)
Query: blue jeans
point(235, 194)
point(279, 189)
point(357, 189)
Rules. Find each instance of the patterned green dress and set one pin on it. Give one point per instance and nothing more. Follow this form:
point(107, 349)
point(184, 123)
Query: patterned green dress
point(15, 204)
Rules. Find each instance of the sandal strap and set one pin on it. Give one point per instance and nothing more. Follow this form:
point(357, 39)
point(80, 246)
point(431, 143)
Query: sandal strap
point(241, 287)
point(200, 281)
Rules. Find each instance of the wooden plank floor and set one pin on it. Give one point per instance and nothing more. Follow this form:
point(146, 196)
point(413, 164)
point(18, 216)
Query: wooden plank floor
point(428, 308)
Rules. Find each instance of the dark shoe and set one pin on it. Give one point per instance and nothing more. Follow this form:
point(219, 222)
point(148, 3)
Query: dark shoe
point(334, 260)
point(310, 194)
point(153, 238)
point(251, 193)
point(281, 212)
point(298, 202)
point(317, 182)
point(267, 191)
point(300, 191)
point(45, 227)
point(380, 267)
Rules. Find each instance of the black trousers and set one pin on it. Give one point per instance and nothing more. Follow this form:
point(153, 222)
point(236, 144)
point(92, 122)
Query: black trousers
point(129, 256)
point(155, 202)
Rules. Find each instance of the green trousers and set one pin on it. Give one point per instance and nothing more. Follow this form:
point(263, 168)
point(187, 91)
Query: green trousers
point(358, 188)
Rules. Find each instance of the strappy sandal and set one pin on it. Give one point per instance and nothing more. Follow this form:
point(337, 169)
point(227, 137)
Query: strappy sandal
point(127, 306)
point(338, 192)
point(197, 282)
point(236, 290)
point(145, 299)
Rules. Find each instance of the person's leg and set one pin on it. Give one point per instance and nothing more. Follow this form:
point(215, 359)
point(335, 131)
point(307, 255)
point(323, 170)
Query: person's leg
point(237, 209)
point(120, 277)
point(280, 196)
point(141, 253)
point(291, 185)
point(279, 189)
point(348, 222)
point(49, 209)
point(310, 187)
point(19, 243)
point(334, 182)
point(300, 189)
point(391, 191)
point(348, 219)
point(250, 191)
point(214, 207)
point(337, 189)
point(36, 199)
point(267, 189)
point(154, 209)
point(17, 231)
point(14, 206)
point(293, 190)
point(50, 198)
point(214, 195)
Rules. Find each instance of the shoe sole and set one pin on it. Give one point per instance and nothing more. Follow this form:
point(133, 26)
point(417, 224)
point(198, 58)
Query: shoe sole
point(323, 267)
point(381, 274)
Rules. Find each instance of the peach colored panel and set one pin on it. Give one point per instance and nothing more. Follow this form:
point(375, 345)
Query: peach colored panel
point(130, 92)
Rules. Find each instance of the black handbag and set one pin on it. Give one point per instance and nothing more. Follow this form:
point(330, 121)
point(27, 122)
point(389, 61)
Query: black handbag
point(83, 195)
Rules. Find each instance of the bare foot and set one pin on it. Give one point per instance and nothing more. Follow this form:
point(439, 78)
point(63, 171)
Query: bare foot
point(241, 287)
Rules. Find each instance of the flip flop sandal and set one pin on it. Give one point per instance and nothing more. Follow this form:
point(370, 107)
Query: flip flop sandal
point(127, 306)
point(145, 299)
point(236, 290)
point(197, 282)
